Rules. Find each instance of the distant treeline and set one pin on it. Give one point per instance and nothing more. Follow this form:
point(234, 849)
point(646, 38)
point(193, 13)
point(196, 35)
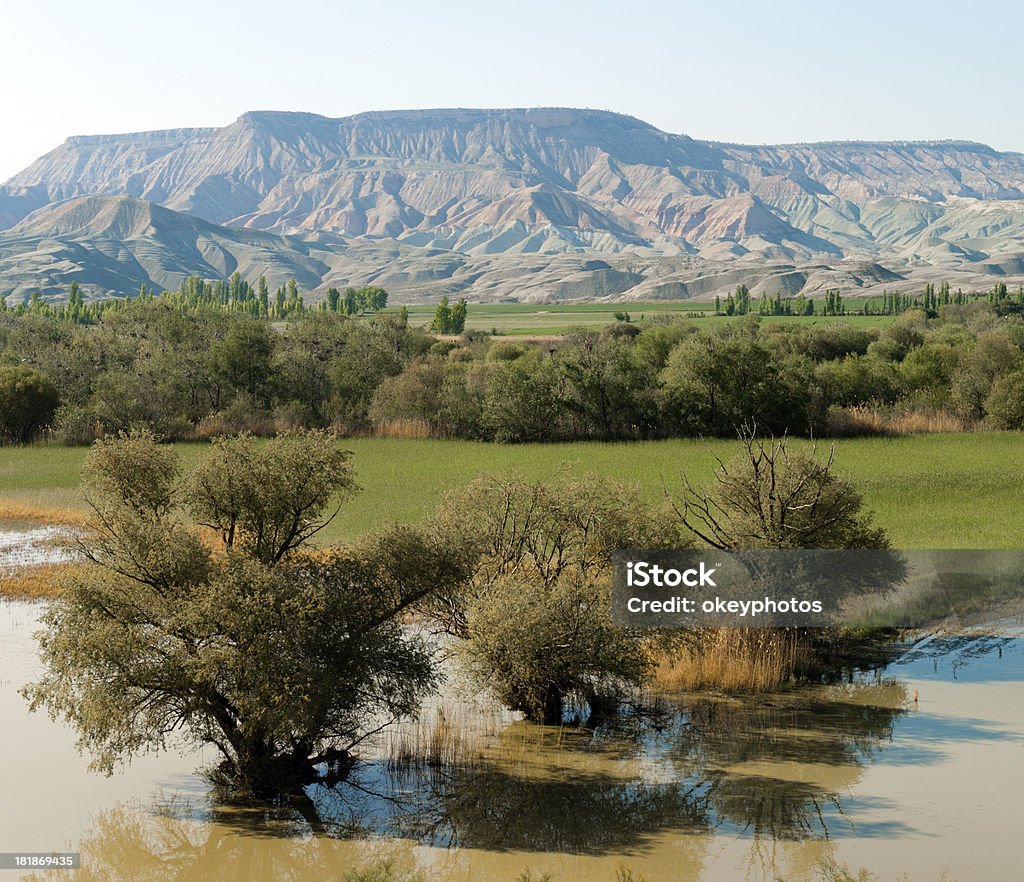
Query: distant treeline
point(890, 303)
point(204, 370)
point(234, 295)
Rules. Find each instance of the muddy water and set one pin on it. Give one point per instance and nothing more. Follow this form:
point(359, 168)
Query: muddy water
point(856, 773)
point(23, 544)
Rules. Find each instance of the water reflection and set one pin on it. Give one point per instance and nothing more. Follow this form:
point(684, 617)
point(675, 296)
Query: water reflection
point(773, 769)
point(711, 788)
point(778, 767)
point(132, 844)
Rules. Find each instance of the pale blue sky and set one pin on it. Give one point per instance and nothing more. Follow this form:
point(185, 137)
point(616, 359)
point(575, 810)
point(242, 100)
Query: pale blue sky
point(748, 72)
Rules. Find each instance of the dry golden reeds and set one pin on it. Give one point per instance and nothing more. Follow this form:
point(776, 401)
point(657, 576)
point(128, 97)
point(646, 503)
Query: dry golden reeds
point(34, 582)
point(863, 420)
point(14, 510)
point(729, 659)
point(402, 428)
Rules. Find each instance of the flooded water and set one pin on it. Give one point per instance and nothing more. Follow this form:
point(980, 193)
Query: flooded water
point(766, 788)
point(23, 545)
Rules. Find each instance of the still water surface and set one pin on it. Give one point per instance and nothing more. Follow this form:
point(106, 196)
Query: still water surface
point(710, 789)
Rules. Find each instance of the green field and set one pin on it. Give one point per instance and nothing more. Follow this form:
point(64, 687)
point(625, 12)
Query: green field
point(547, 319)
point(957, 490)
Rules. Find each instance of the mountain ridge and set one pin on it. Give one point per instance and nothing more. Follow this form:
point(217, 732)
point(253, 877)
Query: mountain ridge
point(479, 184)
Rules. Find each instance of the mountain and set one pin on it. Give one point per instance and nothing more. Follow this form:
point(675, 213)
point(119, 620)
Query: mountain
point(507, 203)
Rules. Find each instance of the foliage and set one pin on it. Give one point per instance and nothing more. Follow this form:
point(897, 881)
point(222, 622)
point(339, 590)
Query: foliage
point(536, 616)
point(717, 382)
point(1004, 404)
point(449, 319)
point(187, 371)
point(770, 497)
point(28, 400)
point(279, 656)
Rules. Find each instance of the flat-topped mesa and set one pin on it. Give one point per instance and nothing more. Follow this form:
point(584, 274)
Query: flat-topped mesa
point(157, 136)
point(549, 180)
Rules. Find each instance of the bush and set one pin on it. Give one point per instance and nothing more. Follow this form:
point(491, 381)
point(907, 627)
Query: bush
point(536, 617)
point(27, 402)
point(1004, 406)
point(770, 497)
point(536, 644)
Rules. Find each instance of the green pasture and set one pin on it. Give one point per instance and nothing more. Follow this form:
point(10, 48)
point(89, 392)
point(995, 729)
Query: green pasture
point(548, 319)
point(944, 491)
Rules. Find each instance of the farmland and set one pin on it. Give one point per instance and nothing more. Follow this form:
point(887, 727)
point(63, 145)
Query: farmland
point(552, 319)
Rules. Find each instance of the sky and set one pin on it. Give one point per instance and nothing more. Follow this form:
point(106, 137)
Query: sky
point(757, 73)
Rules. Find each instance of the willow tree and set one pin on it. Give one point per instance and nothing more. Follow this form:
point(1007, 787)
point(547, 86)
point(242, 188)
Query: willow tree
point(204, 615)
point(535, 616)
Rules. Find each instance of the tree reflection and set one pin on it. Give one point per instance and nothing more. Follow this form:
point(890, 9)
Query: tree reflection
point(773, 769)
point(776, 768)
point(132, 844)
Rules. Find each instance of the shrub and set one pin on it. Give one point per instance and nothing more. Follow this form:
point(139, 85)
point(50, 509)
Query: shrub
point(536, 616)
point(27, 402)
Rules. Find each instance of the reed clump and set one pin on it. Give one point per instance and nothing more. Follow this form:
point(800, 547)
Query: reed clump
point(26, 512)
point(727, 659)
point(867, 420)
point(402, 428)
point(34, 581)
point(445, 739)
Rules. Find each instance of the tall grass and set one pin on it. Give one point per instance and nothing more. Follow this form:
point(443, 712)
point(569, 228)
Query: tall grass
point(35, 513)
point(848, 422)
point(405, 428)
point(729, 659)
point(34, 582)
point(444, 739)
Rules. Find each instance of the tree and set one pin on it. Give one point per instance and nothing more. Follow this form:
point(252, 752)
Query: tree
point(536, 617)
point(350, 305)
point(1004, 407)
point(263, 297)
point(442, 317)
point(243, 357)
point(607, 391)
point(521, 401)
point(279, 656)
point(994, 355)
point(713, 383)
point(27, 401)
point(770, 497)
point(742, 300)
point(457, 322)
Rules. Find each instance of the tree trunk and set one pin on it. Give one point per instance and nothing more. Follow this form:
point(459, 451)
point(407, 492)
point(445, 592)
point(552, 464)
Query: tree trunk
point(553, 706)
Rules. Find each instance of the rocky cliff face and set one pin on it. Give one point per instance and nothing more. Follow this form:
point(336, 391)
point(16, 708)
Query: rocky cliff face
point(479, 183)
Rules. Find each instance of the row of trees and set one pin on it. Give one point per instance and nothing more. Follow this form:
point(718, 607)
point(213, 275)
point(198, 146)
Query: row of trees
point(234, 295)
point(284, 657)
point(891, 303)
point(671, 379)
point(196, 373)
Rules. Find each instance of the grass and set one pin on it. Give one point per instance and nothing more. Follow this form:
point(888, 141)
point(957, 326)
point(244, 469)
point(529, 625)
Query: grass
point(547, 319)
point(36, 582)
point(959, 490)
point(446, 739)
point(730, 659)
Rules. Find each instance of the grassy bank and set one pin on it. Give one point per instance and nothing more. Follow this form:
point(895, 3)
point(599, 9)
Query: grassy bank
point(929, 491)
